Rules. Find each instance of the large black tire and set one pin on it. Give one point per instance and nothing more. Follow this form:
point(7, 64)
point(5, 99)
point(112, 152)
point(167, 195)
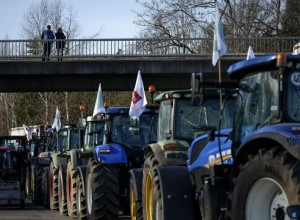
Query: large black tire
point(80, 198)
point(136, 206)
point(71, 190)
point(62, 200)
point(45, 187)
point(36, 184)
point(149, 186)
point(102, 191)
point(266, 185)
point(28, 182)
point(53, 187)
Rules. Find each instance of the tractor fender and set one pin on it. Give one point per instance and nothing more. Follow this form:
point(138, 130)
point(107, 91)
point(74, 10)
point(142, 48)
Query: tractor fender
point(177, 192)
point(110, 154)
point(156, 150)
point(270, 136)
point(136, 178)
point(54, 159)
point(82, 172)
point(43, 160)
point(167, 157)
point(73, 156)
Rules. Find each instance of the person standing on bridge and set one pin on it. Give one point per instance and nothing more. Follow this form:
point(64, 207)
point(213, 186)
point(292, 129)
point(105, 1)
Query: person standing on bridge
point(47, 37)
point(60, 43)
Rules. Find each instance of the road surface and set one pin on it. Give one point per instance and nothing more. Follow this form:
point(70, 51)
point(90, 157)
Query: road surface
point(33, 212)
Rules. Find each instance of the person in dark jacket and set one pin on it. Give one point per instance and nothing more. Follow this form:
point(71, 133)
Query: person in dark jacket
point(47, 37)
point(60, 43)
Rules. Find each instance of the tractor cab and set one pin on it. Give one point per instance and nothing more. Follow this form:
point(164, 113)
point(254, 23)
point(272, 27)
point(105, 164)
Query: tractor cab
point(269, 95)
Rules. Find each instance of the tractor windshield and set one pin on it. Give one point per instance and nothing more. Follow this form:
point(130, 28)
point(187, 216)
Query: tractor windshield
point(5, 160)
point(137, 136)
point(293, 96)
point(94, 133)
point(192, 121)
point(258, 103)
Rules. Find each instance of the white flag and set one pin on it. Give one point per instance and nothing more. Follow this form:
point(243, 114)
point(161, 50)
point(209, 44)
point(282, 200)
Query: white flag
point(99, 107)
point(28, 132)
point(57, 123)
point(139, 100)
point(250, 53)
point(219, 46)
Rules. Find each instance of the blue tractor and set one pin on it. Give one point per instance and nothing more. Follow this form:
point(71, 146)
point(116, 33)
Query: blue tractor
point(103, 184)
point(263, 181)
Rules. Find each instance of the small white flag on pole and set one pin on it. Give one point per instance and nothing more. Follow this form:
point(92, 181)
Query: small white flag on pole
point(99, 107)
point(139, 100)
point(28, 132)
point(57, 123)
point(219, 46)
point(250, 53)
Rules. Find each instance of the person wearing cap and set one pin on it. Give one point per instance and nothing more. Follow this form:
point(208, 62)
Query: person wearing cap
point(60, 43)
point(47, 37)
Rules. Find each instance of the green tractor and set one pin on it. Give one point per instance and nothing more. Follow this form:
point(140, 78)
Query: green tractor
point(180, 121)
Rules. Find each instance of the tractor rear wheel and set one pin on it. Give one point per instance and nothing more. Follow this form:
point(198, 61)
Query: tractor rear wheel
point(28, 182)
point(266, 185)
point(136, 206)
point(71, 190)
point(102, 191)
point(149, 187)
point(45, 187)
point(62, 201)
point(80, 198)
point(53, 187)
point(36, 184)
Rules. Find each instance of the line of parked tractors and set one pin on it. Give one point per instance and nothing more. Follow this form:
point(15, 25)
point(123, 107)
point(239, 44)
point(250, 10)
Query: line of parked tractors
point(220, 150)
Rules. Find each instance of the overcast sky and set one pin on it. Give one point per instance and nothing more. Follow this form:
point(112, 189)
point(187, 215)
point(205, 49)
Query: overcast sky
point(115, 17)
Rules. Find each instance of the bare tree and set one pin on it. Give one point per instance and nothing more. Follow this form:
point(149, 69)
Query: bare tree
point(291, 21)
point(174, 18)
point(55, 13)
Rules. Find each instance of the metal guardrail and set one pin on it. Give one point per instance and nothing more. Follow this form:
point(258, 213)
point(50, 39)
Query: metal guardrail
point(144, 47)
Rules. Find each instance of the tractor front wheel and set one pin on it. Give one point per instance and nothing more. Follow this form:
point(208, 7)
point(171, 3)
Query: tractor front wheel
point(102, 192)
point(266, 185)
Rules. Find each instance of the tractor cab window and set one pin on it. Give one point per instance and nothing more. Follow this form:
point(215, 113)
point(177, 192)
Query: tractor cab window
point(74, 139)
point(258, 103)
point(164, 120)
point(133, 132)
point(95, 133)
point(120, 128)
point(193, 121)
point(293, 96)
point(5, 160)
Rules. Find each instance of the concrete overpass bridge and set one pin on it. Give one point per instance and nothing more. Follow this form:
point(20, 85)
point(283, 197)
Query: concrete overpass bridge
point(166, 63)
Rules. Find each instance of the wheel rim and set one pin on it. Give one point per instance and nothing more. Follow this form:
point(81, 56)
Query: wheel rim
point(132, 205)
point(266, 200)
point(89, 194)
point(149, 196)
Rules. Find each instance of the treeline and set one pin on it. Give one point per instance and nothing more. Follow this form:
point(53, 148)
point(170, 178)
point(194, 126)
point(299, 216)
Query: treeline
point(17, 109)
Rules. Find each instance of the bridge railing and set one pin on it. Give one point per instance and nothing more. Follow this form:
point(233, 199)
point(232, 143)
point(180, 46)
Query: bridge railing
point(143, 47)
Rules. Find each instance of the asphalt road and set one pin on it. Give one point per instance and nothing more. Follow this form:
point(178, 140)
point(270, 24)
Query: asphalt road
point(33, 212)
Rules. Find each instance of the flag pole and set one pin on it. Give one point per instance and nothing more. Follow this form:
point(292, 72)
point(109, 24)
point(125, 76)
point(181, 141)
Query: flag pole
point(220, 80)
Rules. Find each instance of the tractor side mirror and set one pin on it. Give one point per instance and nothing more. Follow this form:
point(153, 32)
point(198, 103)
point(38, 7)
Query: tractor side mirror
point(211, 135)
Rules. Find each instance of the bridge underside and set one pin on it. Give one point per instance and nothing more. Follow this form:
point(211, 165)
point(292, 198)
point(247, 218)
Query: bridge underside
point(114, 75)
